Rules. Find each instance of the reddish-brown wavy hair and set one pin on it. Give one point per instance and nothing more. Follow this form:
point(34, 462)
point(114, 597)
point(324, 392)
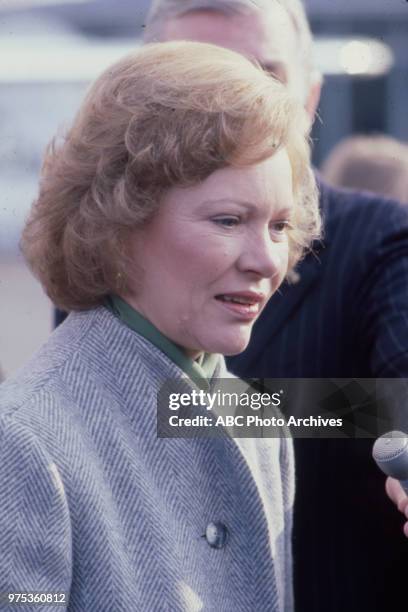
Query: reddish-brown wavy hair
point(167, 115)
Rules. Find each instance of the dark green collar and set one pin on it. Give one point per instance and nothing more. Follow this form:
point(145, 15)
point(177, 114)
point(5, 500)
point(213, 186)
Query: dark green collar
point(200, 371)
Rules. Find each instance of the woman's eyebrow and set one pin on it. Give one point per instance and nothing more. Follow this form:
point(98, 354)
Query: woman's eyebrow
point(283, 211)
point(243, 203)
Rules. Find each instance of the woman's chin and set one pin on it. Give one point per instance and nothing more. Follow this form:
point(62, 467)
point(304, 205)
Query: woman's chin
point(236, 351)
point(228, 347)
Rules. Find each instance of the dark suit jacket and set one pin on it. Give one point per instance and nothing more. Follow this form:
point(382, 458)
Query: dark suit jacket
point(347, 316)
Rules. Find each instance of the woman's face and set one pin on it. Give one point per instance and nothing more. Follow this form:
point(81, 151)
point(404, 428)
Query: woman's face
point(214, 254)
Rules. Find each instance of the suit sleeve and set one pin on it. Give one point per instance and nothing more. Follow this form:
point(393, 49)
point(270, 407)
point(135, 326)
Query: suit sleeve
point(35, 530)
point(384, 318)
point(383, 297)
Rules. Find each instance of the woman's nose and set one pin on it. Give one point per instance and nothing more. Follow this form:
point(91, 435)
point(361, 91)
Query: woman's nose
point(264, 257)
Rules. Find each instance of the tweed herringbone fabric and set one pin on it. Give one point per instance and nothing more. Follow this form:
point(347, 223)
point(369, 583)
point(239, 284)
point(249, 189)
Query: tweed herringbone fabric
point(94, 504)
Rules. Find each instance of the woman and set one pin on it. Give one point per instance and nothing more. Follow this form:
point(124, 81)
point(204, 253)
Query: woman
point(165, 220)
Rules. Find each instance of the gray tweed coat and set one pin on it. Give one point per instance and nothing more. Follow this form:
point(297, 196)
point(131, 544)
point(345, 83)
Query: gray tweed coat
point(94, 505)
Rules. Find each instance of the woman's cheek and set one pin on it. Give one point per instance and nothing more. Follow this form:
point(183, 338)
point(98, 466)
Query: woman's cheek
point(283, 260)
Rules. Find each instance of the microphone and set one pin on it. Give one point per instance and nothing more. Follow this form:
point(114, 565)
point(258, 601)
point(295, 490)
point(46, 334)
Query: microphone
point(390, 452)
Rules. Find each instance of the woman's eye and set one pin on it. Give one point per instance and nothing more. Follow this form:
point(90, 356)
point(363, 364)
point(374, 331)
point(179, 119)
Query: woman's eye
point(227, 221)
point(281, 226)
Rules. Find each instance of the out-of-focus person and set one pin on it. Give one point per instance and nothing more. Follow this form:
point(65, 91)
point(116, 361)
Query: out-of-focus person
point(375, 163)
point(345, 317)
point(166, 218)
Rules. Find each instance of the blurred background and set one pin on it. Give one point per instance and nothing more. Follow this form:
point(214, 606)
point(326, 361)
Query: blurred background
point(51, 49)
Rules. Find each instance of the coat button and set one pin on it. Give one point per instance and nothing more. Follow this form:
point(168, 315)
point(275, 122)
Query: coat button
point(216, 535)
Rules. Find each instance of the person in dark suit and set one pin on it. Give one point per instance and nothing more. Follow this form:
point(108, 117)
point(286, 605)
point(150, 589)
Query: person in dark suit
point(346, 316)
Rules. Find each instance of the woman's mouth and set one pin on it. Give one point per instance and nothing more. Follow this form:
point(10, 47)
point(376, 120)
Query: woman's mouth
point(245, 305)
